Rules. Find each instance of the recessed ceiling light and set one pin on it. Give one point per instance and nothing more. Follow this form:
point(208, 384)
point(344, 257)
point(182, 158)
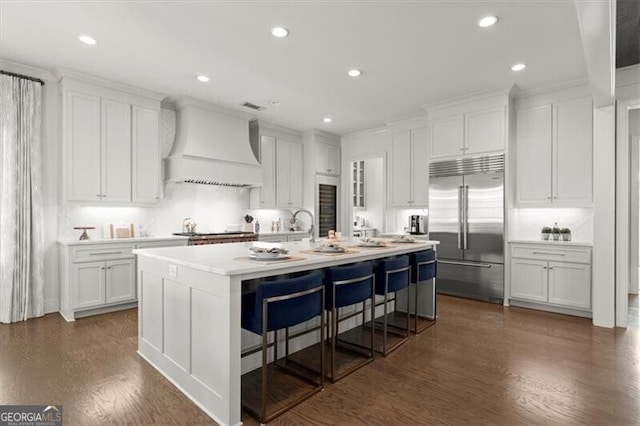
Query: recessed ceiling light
point(279, 32)
point(275, 103)
point(354, 73)
point(202, 78)
point(487, 21)
point(518, 67)
point(327, 119)
point(87, 39)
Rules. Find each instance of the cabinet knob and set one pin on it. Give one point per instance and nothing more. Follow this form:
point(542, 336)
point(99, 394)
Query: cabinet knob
point(102, 268)
point(98, 195)
point(550, 267)
point(109, 267)
point(461, 149)
point(548, 198)
point(544, 267)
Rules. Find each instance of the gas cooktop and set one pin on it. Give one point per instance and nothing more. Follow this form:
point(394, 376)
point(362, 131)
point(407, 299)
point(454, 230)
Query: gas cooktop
point(209, 234)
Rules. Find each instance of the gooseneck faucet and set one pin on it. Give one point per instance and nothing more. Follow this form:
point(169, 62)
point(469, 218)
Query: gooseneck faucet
point(311, 236)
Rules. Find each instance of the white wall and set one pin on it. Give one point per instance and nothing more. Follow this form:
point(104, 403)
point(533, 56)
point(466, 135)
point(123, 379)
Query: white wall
point(526, 224)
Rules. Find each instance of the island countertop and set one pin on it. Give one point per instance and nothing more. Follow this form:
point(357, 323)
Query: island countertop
point(226, 259)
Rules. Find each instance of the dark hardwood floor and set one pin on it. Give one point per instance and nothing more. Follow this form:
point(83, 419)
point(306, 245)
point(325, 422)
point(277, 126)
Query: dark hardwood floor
point(480, 364)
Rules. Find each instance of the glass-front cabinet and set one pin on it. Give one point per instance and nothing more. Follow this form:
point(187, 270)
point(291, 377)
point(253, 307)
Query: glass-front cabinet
point(357, 173)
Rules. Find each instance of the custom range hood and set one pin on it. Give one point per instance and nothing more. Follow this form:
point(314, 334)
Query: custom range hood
point(211, 147)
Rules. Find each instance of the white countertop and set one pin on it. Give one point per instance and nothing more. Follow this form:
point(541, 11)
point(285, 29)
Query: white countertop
point(553, 243)
point(121, 240)
point(222, 259)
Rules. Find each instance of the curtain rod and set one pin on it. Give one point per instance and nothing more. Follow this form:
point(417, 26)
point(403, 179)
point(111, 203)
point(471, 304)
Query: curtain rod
point(26, 77)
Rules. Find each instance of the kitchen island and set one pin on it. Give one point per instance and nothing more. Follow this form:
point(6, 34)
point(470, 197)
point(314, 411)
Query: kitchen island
point(190, 306)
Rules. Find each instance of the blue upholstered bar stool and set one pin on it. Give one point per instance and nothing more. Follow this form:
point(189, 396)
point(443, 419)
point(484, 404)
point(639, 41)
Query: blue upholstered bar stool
point(346, 286)
point(282, 304)
point(423, 268)
point(392, 274)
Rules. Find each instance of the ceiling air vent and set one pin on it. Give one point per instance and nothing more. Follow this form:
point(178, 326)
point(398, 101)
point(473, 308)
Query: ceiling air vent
point(253, 106)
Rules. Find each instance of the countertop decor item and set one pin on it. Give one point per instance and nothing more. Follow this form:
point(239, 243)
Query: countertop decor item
point(555, 232)
point(248, 225)
point(84, 235)
point(566, 234)
point(546, 231)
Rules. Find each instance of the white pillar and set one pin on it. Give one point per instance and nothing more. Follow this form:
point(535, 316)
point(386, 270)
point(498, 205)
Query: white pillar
point(604, 185)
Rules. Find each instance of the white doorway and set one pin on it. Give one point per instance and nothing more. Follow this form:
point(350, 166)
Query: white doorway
point(627, 212)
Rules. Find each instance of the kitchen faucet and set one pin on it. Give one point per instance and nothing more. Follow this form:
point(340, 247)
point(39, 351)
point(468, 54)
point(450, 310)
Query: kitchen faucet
point(293, 220)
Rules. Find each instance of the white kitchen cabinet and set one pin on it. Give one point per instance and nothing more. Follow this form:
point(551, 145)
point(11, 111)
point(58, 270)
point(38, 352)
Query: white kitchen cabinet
point(116, 152)
point(470, 133)
point(145, 155)
point(89, 284)
point(100, 276)
point(265, 196)
point(327, 159)
point(570, 284)
point(120, 281)
point(554, 154)
point(447, 137)
point(533, 155)
point(551, 276)
point(83, 154)
point(410, 169)
point(110, 145)
point(288, 174)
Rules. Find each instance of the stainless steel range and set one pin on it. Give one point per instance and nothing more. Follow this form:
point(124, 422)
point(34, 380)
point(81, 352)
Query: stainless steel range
point(196, 238)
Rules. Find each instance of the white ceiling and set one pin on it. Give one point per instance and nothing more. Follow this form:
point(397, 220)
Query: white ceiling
point(411, 53)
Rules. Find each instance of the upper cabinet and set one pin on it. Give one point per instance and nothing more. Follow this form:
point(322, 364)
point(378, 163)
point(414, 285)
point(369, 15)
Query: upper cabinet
point(327, 159)
point(477, 131)
point(410, 169)
point(288, 174)
point(110, 145)
point(281, 159)
point(554, 154)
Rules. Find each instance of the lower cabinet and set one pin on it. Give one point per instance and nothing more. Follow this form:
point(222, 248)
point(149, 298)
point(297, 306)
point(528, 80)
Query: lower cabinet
point(97, 278)
point(555, 277)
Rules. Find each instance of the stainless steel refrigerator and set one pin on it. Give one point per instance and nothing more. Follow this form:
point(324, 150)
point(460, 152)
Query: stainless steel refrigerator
point(466, 214)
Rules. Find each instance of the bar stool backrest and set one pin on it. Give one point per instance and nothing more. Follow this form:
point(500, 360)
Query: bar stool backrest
point(352, 284)
point(423, 266)
point(290, 302)
point(397, 280)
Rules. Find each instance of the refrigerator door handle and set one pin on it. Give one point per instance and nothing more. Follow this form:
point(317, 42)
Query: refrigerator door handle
point(465, 222)
point(475, 265)
point(460, 215)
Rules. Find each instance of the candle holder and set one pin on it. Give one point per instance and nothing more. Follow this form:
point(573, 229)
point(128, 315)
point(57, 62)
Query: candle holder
point(84, 235)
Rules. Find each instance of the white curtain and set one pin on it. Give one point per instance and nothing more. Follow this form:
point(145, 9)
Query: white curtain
point(21, 234)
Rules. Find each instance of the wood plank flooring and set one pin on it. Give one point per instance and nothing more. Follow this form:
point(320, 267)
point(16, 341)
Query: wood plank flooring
point(480, 364)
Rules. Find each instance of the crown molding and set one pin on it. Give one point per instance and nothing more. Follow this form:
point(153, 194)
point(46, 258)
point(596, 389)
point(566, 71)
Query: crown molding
point(418, 118)
point(511, 91)
point(261, 124)
point(61, 73)
point(29, 70)
point(367, 132)
point(569, 84)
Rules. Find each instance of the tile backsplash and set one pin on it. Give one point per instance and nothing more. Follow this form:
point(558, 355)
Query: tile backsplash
point(526, 224)
point(211, 207)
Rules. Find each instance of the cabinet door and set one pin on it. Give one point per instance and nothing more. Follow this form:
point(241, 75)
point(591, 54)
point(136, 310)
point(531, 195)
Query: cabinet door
point(447, 137)
point(267, 196)
point(401, 170)
point(82, 135)
point(529, 280)
point(485, 131)
point(88, 284)
point(116, 151)
point(121, 280)
point(146, 155)
point(333, 160)
point(288, 174)
point(295, 175)
point(420, 168)
point(573, 152)
point(533, 156)
point(570, 284)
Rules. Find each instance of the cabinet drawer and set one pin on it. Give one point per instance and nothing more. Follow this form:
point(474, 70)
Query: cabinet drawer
point(104, 252)
point(577, 255)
